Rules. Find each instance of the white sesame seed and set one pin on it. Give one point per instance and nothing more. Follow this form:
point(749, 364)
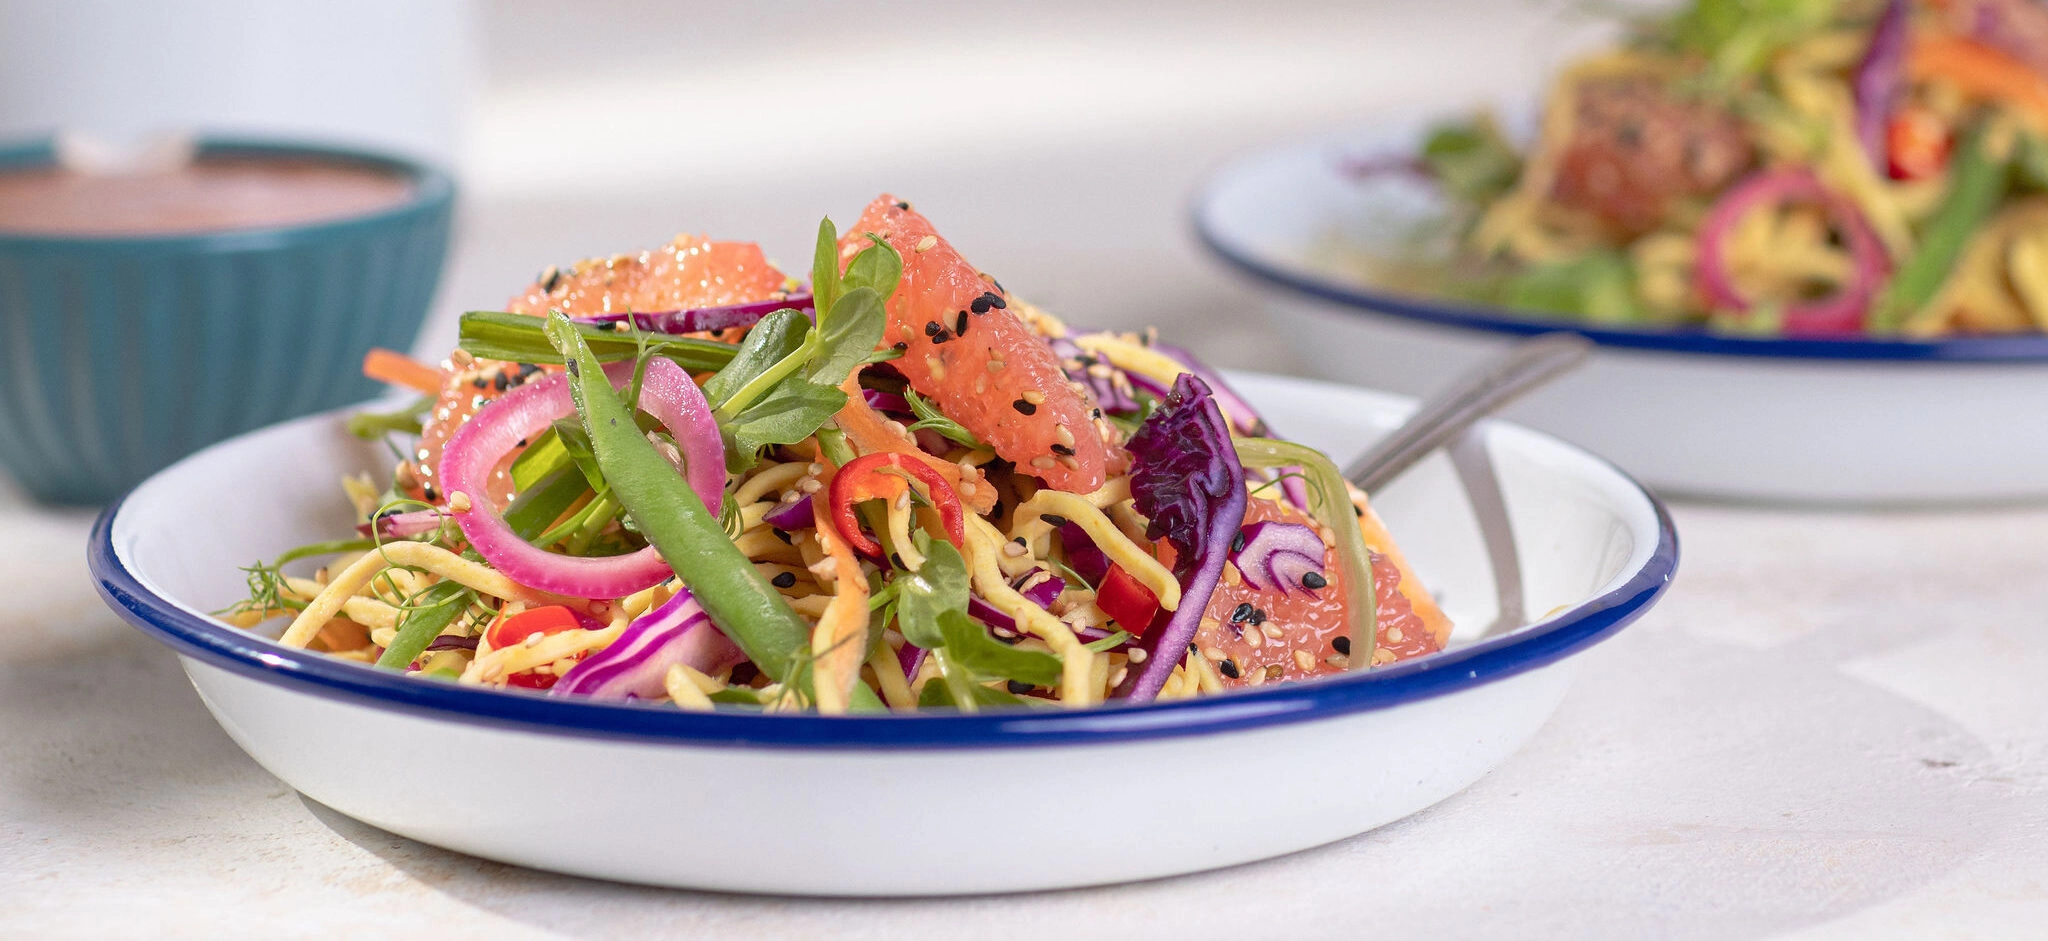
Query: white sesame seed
point(925, 244)
point(1138, 655)
point(1034, 396)
point(1042, 462)
point(1394, 635)
point(458, 502)
point(1012, 549)
point(814, 469)
point(1271, 630)
point(809, 485)
point(1116, 679)
point(1215, 654)
point(1304, 659)
point(1253, 639)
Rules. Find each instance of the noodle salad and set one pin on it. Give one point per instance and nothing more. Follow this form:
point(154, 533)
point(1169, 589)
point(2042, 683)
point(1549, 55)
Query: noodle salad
point(682, 477)
point(1800, 167)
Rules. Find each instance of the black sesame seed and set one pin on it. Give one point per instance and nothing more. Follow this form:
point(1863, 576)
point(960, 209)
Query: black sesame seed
point(550, 278)
point(896, 560)
point(1053, 519)
point(1095, 414)
point(1355, 511)
point(1258, 617)
point(996, 301)
point(1314, 580)
point(522, 443)
point(941, 338)
point(1241, 613)
point(501, 382)
point(980, 305)
point(900, 204)
point(960, 324)
point(1019, 687)
point(932, 328)
point(1342, 645)
point(1062, 449)
point(1024, 408)
point(901, 346)
point(1191, 648)
point(1228, 668)
point(782, 535)
point(784, 580)
point(575, 371)
point(1020, 541)
point(1237, 542)
point(432, 495)
point(479, 382)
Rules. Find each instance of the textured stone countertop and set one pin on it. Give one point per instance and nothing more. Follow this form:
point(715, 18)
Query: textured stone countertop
point(1834, 726)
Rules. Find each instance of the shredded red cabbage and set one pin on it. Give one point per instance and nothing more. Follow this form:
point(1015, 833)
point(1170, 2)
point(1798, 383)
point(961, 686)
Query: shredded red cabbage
point(635, 665)
point(698, 319)
point(1074, 361)
point(1279, 555)
point(791, 516)
point(1186, 479)
point(1879, 79)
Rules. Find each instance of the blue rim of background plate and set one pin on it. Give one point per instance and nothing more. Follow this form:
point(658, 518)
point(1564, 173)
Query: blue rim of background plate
point(2013, 350)
point(1486, 661)
point(432, 190)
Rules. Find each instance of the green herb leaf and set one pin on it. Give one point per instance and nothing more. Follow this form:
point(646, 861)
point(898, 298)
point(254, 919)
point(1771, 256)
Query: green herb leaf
point(1472, 161)
point(789, 414)
point(778, 335)
point(825, 287)
point(878, 267)
point(923, 597)
point(847, 335)
point(928, 416)
point(426, 616)
point(968, 643)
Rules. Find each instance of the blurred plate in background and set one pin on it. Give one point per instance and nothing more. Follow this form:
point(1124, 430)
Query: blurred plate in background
point(1689, 412)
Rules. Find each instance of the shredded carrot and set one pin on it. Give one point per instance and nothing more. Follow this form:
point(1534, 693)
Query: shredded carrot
point(840, 637)
point(395, 368)
point(870, 433)
point(1981, 71)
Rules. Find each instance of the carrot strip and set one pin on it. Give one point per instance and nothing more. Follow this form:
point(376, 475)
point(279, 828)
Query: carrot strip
point(395, 368)
point(1982, 72)
point(839, 641)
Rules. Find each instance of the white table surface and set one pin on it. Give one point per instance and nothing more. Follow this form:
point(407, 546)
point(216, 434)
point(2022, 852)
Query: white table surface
point(1836, 725)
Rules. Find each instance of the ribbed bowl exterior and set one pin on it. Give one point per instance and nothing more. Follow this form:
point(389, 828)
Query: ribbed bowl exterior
point(119, 355)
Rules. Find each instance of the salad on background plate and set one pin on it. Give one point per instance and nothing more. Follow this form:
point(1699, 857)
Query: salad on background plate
point(680, 476)
point(1760, 167)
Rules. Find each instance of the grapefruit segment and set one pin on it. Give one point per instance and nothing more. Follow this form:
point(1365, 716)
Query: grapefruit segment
point(964, 349)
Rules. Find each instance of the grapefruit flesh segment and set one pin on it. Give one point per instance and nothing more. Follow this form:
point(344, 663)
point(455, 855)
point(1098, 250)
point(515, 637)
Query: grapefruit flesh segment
point(967, 352)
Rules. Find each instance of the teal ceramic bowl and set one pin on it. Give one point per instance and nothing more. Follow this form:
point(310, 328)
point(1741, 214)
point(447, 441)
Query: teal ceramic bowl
point(120, 354)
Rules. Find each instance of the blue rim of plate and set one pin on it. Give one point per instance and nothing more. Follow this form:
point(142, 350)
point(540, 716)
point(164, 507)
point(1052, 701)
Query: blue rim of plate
point(1367, 300)
point(1486, 661)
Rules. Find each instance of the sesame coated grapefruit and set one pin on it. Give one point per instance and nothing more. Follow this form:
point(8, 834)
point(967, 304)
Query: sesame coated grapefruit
point(1252, 637)
point(984, 368)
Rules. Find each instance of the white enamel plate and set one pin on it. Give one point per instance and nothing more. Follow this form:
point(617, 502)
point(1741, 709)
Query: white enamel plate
point(901, 805)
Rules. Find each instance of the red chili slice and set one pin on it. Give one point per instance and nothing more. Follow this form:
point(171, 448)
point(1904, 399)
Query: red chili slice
point(1125, 599)
point(882, 476)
